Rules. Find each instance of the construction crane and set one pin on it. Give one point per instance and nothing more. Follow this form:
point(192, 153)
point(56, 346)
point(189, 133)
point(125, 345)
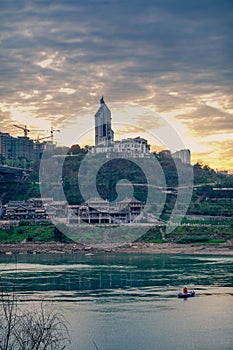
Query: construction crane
point(42, 138)
point(52, 130)
point(51, 135)
point(25, 129)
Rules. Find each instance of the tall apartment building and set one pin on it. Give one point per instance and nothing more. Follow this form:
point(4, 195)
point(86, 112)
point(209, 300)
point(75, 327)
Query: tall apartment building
point(13, 148)
point(136, 147)
point(104, 135)
point(5, 145)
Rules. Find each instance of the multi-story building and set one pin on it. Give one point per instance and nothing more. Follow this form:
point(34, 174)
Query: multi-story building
point(104, 138)
point(184, 155)
point(6, 150)
point(132, 147)
point(94, 211)
point(104, 135)
point(34, 209)
point(39, 147)
point(99, 211)
point(13, 148)
point(21, 147)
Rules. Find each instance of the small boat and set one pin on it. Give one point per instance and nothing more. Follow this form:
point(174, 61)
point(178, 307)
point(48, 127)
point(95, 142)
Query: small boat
point(187, 295)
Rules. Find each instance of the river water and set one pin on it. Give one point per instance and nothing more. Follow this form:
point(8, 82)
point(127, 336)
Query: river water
point(129, 301)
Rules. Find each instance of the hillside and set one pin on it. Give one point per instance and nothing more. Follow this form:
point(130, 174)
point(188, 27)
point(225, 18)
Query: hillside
point(212, 193)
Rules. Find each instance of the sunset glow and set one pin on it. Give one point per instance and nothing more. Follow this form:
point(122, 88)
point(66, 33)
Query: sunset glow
point(152, 61)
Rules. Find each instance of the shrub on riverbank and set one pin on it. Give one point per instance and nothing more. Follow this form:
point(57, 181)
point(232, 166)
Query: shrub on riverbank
point(41, 233)
point(189, 234)
point(157, 234)
point(193, 239)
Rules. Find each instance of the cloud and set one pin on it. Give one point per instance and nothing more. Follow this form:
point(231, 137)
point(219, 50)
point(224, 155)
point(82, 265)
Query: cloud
point(128, 130)
point(46, 63)
point(67, 91)
point(208, 120)
point(219, 154)
point(166, 55)
point(53, 62)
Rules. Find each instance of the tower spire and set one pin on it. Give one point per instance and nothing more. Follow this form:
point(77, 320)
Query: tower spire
point(102, 100)
point(104, 135)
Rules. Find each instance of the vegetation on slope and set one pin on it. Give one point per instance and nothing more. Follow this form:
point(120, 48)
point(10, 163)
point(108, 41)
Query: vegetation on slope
point(34, 233)
point(206, 200)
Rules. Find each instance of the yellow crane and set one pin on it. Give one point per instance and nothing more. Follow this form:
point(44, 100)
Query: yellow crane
point(24, 128)
point(52, 130)
point(26, 131)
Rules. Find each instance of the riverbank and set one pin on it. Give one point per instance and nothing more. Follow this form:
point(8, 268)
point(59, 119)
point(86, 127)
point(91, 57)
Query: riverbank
point(225, 248)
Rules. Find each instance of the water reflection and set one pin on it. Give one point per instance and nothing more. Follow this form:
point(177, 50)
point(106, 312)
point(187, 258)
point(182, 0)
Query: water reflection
point(107, 272)
point(130, 301)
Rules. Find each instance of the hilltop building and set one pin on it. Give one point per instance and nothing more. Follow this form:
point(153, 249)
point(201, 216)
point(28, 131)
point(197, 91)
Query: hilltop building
point(12, 148)
point(136, 147)
point(184, 155)
point(104, 135)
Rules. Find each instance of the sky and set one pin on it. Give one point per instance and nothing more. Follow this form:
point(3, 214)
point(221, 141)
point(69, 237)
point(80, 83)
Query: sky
point(163, 66)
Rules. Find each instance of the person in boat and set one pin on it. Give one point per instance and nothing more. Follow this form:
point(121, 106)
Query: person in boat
point(185, 290)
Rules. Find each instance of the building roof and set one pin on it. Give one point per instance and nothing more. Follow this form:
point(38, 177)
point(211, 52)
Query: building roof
point(130, 200)
point(103, 109)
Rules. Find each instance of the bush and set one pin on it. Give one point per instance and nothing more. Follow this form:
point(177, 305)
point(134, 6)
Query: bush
point(23, 223)
point(39, 328)
point(193, 239)
point(217, 241)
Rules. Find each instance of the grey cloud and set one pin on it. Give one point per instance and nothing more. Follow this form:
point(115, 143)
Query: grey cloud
point(135, 44)
point(208, 120)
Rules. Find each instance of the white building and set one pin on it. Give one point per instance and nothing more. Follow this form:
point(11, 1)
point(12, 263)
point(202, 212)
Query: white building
point(136, 147)
point(184, 155)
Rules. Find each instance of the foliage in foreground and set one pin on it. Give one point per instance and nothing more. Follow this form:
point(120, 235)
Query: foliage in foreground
point(40, 329)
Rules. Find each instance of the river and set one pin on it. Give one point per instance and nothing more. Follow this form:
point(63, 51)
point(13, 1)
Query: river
point(129, 301)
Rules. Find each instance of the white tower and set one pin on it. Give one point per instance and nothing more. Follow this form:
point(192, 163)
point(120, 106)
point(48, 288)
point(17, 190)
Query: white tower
point(104, 135)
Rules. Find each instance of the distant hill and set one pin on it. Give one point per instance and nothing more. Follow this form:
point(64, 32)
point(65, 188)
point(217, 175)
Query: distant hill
point(210, 196)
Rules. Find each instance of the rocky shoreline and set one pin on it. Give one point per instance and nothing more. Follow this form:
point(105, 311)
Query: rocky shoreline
point(150, 248)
